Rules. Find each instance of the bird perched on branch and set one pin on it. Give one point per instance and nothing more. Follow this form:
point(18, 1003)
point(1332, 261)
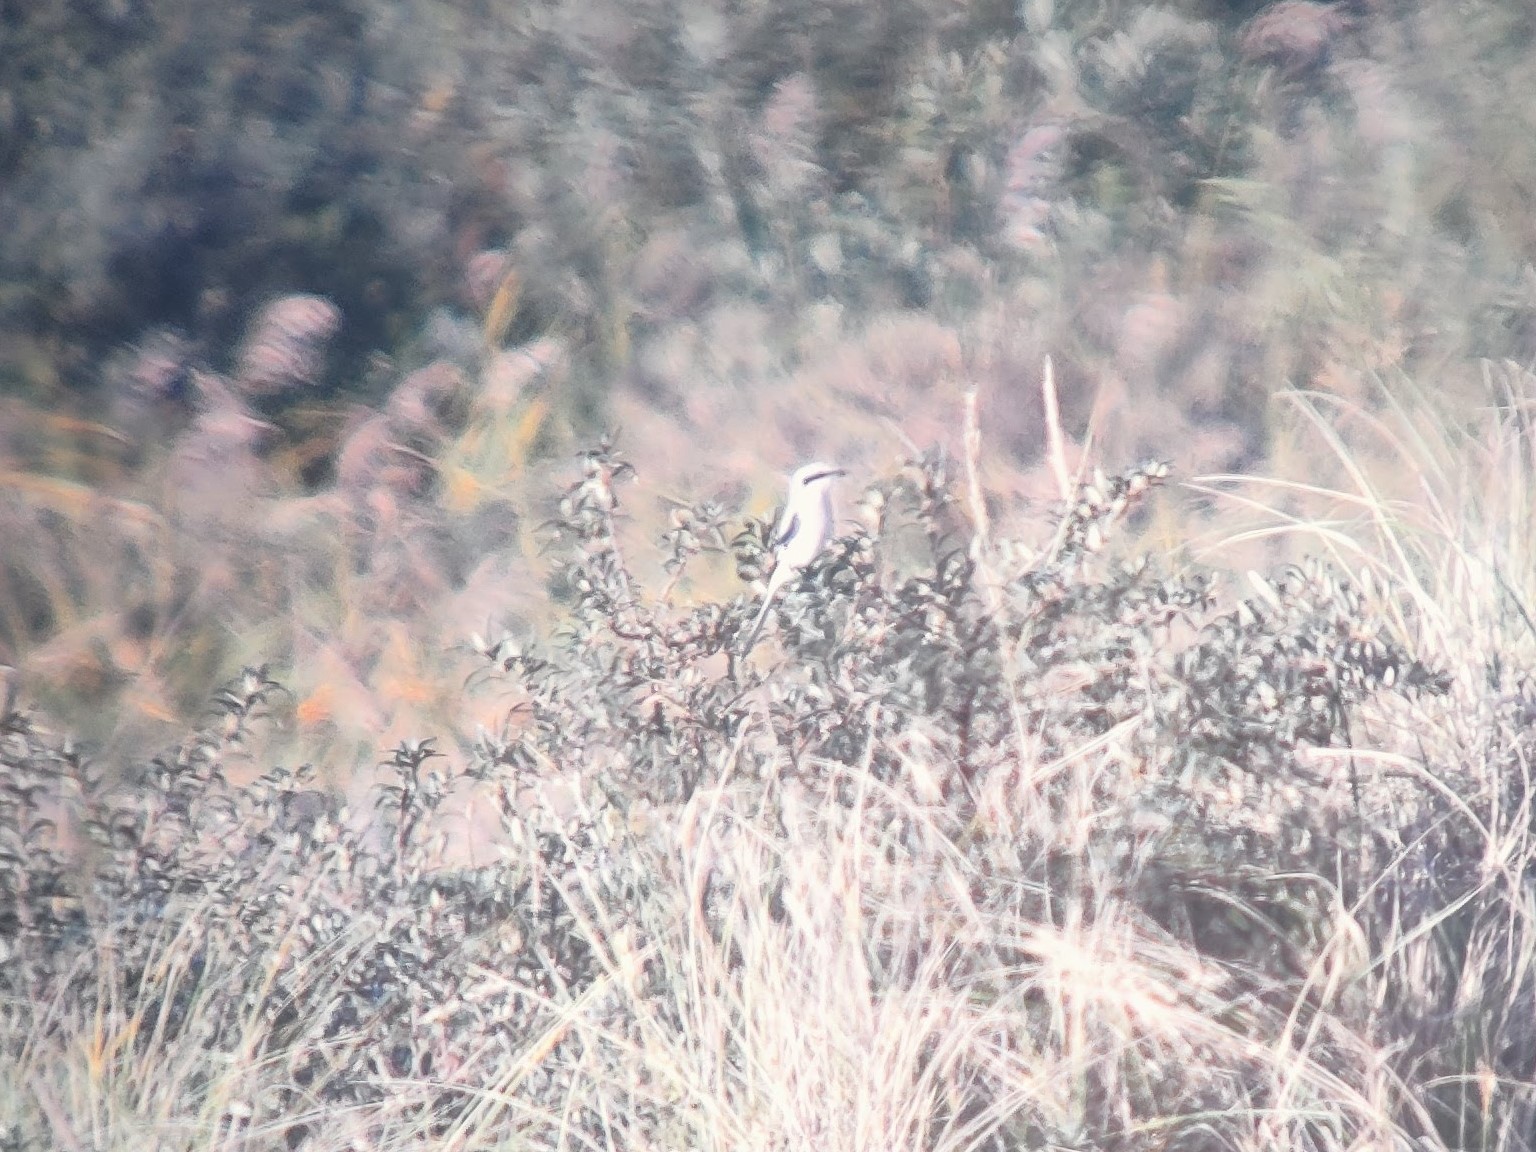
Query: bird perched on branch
point(803, 531)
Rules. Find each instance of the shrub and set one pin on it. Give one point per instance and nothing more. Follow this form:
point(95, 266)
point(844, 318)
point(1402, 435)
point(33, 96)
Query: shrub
point(997, 846)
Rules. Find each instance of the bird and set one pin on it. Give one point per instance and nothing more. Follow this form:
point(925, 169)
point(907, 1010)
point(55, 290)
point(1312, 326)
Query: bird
point(803, 531)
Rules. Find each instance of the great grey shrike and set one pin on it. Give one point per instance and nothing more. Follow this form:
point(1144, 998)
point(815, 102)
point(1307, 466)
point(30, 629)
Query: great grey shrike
point(803, 531)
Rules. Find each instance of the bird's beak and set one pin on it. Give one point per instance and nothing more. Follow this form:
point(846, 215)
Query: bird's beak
point(830, 472)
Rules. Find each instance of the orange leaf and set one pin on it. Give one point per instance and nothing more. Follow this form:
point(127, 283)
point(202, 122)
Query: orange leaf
point(317, 707)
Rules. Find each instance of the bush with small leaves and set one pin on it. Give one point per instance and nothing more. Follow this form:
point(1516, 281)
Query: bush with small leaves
point(1021, 785)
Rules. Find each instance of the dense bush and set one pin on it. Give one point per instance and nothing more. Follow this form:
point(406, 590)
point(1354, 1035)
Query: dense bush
point(996, 847)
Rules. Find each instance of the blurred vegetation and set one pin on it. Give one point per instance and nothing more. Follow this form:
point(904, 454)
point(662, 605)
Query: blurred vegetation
point(1295, 178)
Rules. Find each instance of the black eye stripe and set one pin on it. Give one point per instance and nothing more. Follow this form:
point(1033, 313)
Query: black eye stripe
point(815, 476)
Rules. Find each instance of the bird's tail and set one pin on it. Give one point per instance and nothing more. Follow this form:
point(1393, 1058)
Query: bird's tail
point(762, 618)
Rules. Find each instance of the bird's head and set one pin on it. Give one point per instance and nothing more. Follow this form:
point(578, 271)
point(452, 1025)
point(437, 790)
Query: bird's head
point(813, 477)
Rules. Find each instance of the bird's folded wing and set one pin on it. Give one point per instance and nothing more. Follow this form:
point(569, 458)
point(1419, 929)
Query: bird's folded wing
point(788, 527)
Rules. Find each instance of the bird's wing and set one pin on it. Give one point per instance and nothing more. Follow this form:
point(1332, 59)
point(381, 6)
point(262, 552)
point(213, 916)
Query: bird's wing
point(789, 525)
